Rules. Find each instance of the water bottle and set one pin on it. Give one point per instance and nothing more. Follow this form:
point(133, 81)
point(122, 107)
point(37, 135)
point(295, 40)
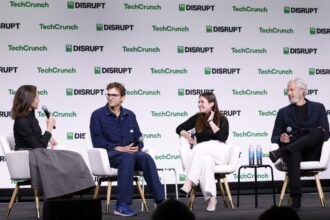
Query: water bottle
point(251, 155)
point(259, 155)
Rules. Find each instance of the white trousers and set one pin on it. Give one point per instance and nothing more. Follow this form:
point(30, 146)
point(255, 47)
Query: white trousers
point(200, 161)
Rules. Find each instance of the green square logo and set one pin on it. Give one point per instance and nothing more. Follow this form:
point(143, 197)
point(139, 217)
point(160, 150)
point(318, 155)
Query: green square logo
point(286, 50)
point(311, 71)
point(70, 5)
point(287, 10)
point(207, 71)
point(69, 91)
point(312, 31)
point(68, 48)
point(97, 70)
point(180, 49)
point(99, 27)
point(285, 92)
point(180, 92)
point(69, 135)
point(209, 29)
point(182, 7)
point(182, 177)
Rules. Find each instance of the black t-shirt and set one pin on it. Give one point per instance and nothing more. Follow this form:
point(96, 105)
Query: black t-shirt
point(301, 113)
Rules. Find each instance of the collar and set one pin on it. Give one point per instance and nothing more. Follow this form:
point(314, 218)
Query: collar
point(123, 111)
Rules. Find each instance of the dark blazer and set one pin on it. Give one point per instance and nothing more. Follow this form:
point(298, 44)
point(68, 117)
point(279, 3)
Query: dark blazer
point(286, 117)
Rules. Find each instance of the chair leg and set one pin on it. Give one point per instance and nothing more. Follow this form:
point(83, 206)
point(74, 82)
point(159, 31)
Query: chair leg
point(192, 198)
point(141, 193)
point(320, 190)
point(108, 196)
point(222, 191)
point(285, 184)
point(97, 188)
point(228, 192)
point(13, 196)
point(36, 197)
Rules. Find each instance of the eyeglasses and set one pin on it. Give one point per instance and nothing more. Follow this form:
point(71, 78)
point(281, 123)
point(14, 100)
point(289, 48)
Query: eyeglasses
point(111, 95)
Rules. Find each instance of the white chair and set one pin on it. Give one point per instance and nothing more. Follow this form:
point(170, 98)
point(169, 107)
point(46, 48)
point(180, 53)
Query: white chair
point(220, 172)
point(100, 167)
point(19, 169)
point(309, 168)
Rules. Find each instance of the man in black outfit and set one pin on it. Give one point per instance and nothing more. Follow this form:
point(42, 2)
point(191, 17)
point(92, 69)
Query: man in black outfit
point(300, 130)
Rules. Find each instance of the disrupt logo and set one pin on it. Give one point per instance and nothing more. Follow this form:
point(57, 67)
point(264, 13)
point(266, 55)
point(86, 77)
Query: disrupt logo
point(58, 114)
point(142, 92)
point(70, 27)
point(72, 135)
point(251, 176)
point(287, 50)
point(221, 71)
point(183, 7)
point(142, 7)
point(9, 25)
point(248, 50)
point(309, 92)
point(314, 71)
point(168, 71)
point(313, 31)
point(2, 159)
point(249, 9)
point(274, 72)
point(85, 5)
point(183, 92)
point(8, 69)
point(28, 4)
point(112, 70)
point(183, 49)
point(72, 92)
point(140, 50)
point(167, 157)
point(114, 27)
point(27, 48)
point(40, 92)
point(275, 30)
point(170, 28)
point(168, 114)
point(231, 112)
point(83, 48)
point(153, 136)
point(249, 92)
point(292, 10)
point(56, 70)
point(5, 114)
point(241, 134)
point(223, 29)
point(267, 113)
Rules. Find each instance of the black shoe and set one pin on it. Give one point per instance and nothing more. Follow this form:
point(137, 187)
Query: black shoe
point(296, 203)
point(275, 155)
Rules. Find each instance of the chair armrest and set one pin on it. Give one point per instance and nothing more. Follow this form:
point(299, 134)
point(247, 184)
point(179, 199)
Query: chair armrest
point(18, 164)
point(99, 162)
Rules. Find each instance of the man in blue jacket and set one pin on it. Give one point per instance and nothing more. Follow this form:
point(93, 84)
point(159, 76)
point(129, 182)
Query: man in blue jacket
point(115, 128)
point(300, 130)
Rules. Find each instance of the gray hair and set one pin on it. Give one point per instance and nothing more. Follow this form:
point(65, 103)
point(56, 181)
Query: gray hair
point(300, 83)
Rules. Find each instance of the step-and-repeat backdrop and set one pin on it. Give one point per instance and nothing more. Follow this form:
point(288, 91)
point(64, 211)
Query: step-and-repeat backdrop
point(166, 53)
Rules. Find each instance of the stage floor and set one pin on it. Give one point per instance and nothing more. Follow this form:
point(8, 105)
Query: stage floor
point(311, 209)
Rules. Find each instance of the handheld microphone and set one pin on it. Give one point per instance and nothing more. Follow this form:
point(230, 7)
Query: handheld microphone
point(289, 130)
point(193, 134)
point(44, 108)
point(141, 139)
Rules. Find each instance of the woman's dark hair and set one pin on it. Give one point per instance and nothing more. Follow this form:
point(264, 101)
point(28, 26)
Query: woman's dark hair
point(23, 100)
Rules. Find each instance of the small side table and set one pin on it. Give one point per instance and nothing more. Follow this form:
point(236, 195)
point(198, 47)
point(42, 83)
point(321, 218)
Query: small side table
point(255, 167)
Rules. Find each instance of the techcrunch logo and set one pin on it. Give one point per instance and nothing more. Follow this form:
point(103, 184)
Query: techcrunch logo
point(167, 157)
point(9, 25)
point(183, 49)
point(5, 114)
point(56, 70)
point(223, 29)
point(221, 71)
point(114, 27)
point(72, 92)
point(248, 50)
point(231, 112)
point(143, 92)
point(27, 48)
point(183, 92)
point(308, 92)
point(28, 4)
point(249, 92)
point(292, 10)
point(168, 114)
point(287, 50)
point(85, 5)
point(314, 71)
point(140, 50)
point(8, 69)
point(168, 71)
point(251, 176)
point(249, 9)
point(142, 7)
point(40, 92)
point(70, 27)
point(83, 48)
point(275, 72)
point(275, 30)
point(72, 135)
point(183, 7)
point(58, 114)
point(112, 70)
point(170, 28)
point(153, 136)
point(267, 113)
point(249, 134)
point(313, 31)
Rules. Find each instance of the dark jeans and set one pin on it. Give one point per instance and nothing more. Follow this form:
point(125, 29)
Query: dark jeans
point(306, 147)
